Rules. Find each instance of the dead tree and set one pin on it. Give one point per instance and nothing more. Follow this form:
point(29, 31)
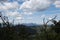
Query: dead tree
point(46, 26)
point(45, 23)
point(56, 26)
point(4, 19)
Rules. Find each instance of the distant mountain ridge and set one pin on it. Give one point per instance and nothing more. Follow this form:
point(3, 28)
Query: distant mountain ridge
point(30, 24)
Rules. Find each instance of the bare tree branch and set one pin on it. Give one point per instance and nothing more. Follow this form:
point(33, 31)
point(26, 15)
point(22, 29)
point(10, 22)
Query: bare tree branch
point(4, 19)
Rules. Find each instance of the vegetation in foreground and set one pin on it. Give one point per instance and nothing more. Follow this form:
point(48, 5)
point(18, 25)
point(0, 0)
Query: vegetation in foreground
point(8, 31)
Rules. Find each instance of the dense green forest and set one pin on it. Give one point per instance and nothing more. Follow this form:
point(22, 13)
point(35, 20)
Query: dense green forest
point(9, 31)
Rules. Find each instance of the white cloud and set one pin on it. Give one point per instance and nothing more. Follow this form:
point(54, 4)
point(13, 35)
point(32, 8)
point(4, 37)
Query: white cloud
point(43, 16)
point(3, 0)
point(35, 5)
point(13, 14)
point(21, 0)
point(9, 5)
point(49, 18)
point(19, 18)
point(28, 13)
point(5, 6)
point(57, 4)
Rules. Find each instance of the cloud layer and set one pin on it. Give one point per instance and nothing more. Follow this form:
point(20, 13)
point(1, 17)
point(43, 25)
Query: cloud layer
point(27, 6)
point(8, 5)
point(57, 4)
point(35, 5)
point(3, 0)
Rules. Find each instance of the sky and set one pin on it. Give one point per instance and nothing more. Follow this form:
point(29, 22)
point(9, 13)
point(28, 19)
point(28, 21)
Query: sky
point(30, 11)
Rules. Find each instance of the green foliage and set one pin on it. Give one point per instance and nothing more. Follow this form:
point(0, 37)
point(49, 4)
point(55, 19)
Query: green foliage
point(22, 32)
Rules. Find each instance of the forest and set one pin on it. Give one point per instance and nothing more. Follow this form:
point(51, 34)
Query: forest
point(9, 31)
